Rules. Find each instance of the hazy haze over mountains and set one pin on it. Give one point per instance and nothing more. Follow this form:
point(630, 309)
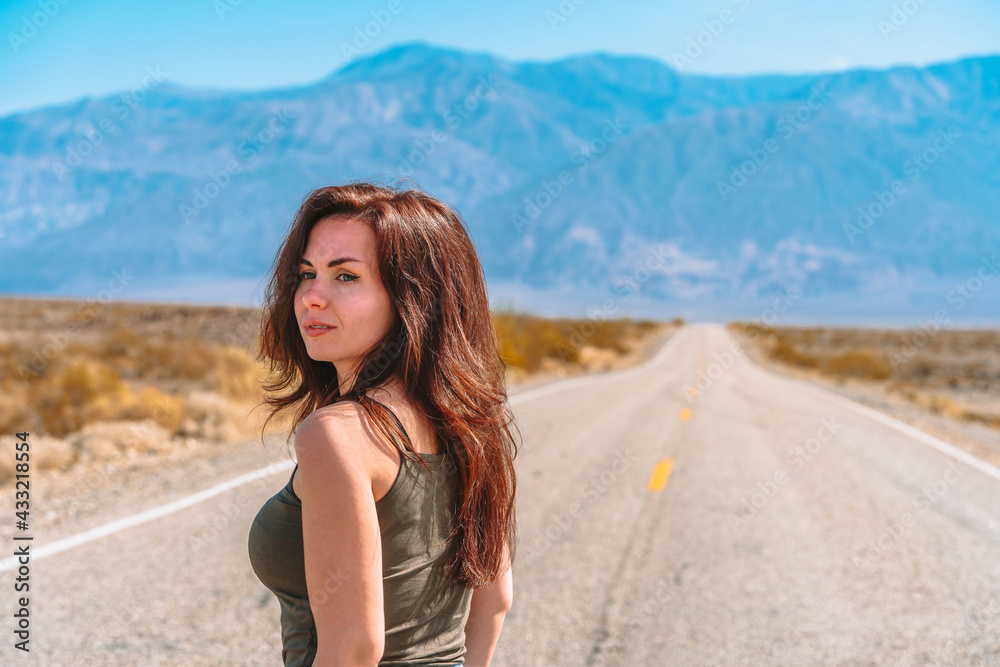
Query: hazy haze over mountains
point(593, 185)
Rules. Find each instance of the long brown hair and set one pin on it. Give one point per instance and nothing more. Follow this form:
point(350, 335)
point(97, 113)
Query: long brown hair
point(442, 346)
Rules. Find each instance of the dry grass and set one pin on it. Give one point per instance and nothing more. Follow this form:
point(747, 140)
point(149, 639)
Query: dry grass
point(787, 353)
point(864, 363)
point(951, 372)
point(98, 381)
point(528, 341)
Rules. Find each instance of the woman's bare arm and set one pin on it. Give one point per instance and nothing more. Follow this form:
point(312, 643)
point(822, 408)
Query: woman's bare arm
point(340, 535)
point(490, 605)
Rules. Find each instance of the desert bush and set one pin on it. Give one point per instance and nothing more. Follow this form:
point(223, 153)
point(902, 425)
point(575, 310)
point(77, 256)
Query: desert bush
point(787, 353)
point(754, 329)
point(83, 390)
point(235, 374)
point(865, 363)
point(149, 402)
point(916, 369)
point(232, 371)
point(808, 336)
point(208, 416)
point(15, 413)
point(527, 342)
point(109, 440)
point(10, 375)
point(46, 453)
point(991, 420)
point(168, 357)
point(611, 335)
point(548, 339)
point(121, 341)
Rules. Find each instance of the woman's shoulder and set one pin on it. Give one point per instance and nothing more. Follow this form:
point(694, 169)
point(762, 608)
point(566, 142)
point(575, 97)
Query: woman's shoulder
point(341, 424)
point(343, 410)
point(336, 416)
point(332, 438)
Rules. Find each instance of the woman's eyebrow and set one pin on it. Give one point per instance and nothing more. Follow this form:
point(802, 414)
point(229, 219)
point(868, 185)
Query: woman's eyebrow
point(333, 262)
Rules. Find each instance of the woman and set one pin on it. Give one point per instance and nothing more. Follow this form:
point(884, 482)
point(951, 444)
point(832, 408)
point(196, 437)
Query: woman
point(393, 540)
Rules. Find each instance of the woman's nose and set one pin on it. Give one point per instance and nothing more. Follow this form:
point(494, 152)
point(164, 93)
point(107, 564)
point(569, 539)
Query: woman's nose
point(313, 295)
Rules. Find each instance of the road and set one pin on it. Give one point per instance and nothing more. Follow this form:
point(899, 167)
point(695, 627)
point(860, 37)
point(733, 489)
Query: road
point(756, 521)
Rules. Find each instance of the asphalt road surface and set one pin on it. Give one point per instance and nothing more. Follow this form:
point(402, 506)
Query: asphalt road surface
point(756, 521)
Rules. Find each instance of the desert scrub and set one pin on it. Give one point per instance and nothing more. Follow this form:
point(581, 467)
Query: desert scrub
point(120, 375)
point(86, 391)
point(154, 357)
point(787, 353)
point(525, 341)
point(865, 363)
point(236, 374)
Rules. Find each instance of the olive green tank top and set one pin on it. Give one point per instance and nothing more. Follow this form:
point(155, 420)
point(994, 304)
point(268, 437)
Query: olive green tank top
point(425, 611)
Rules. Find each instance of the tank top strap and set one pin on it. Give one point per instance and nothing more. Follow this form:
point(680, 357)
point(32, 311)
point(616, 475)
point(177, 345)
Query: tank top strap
point(401, 427)
point(433, 459)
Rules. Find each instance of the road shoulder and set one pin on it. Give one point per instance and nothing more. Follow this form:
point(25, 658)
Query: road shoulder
point(978, 440)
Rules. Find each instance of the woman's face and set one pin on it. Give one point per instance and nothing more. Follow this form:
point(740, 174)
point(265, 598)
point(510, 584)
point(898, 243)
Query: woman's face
point(348, 296)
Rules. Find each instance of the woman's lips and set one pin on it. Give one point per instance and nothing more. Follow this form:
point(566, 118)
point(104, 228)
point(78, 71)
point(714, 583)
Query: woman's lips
point(312, 332)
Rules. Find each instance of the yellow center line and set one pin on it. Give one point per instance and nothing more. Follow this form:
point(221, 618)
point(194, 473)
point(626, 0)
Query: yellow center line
point(661, 473)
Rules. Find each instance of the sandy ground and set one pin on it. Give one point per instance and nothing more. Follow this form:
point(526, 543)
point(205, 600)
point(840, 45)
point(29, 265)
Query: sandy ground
point(977, 439)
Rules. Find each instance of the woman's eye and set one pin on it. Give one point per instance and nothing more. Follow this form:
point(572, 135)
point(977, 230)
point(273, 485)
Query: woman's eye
point(309, 275)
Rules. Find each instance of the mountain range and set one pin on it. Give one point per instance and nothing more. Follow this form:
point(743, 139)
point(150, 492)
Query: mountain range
point(596, 185)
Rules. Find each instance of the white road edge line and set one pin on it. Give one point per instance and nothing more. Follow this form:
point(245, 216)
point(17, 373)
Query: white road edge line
point(915, 433)
point(179, 504)
point(143, 517)
point(905, 428)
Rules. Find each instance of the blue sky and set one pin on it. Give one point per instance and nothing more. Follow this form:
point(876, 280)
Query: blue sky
point(56, 51)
